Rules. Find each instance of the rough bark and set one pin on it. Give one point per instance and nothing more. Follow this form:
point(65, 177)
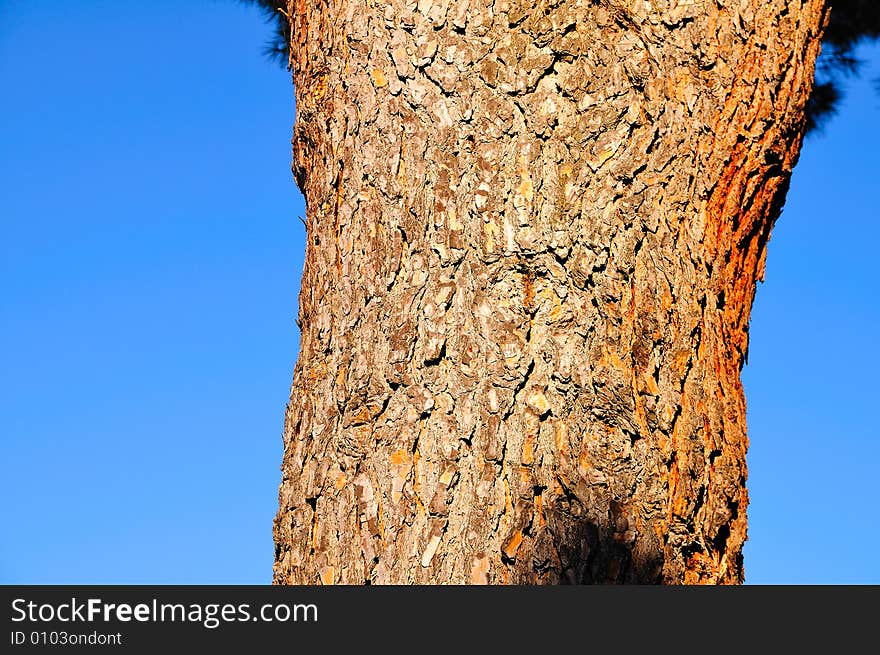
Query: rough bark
point(534, 233)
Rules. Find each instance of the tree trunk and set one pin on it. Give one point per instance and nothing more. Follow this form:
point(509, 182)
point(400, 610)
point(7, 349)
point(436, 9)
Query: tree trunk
point(534, 233)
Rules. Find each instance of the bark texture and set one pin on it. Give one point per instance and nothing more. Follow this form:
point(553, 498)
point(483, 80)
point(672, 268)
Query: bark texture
point(534, 233)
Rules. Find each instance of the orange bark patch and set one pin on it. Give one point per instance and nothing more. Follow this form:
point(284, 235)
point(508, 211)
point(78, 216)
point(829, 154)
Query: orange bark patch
point(528, 291)
point(511, 546)
point(379, 78)
point(399, 457)
point(539, 510)
point(319, 90)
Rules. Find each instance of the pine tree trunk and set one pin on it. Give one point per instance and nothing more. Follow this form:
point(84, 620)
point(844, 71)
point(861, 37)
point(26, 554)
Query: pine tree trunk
point(534, 233)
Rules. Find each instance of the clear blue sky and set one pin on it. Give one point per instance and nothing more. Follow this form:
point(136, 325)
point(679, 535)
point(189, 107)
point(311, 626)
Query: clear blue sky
point(149, 266)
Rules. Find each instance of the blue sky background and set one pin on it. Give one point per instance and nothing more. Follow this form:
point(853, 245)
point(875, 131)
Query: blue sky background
point(149, 265)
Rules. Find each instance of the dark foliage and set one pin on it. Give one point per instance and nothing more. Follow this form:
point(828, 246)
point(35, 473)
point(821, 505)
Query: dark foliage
point(851, 22)
point(276, 47)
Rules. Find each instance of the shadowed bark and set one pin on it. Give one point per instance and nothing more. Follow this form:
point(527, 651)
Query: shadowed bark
point(534, 232)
